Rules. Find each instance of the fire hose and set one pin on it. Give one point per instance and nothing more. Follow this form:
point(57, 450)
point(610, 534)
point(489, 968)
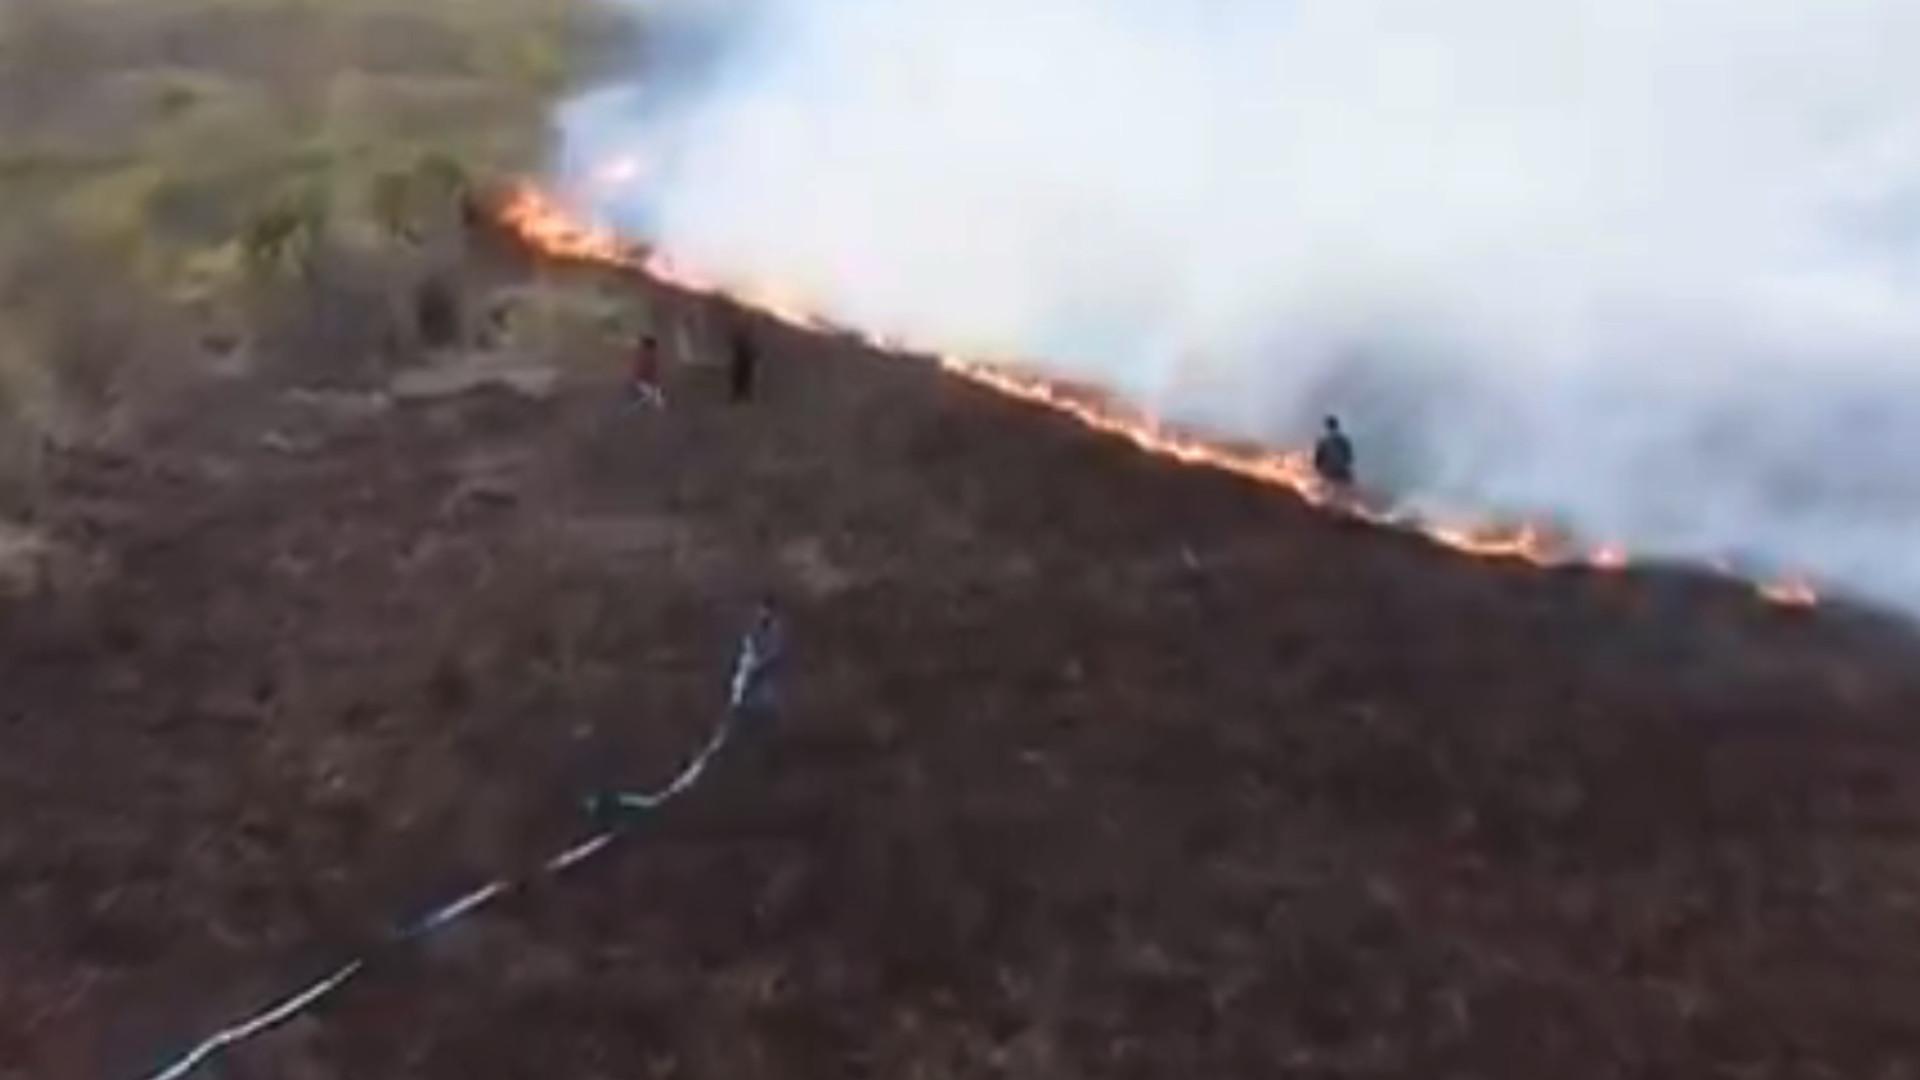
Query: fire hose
point(633, 803)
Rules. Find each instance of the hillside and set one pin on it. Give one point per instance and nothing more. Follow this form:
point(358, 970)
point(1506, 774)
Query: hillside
point(178, 172)
point(1095, 765)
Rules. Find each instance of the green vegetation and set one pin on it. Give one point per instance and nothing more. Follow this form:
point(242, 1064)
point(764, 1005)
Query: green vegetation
point(208, 156)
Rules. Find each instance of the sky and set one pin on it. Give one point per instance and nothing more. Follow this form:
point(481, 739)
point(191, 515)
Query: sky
point(1649, 269)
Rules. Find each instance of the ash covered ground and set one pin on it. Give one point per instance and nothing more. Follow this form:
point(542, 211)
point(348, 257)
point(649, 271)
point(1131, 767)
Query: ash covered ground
point(1094, 764)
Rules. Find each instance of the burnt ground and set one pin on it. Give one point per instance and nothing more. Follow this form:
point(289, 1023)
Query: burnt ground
point(1095, 766)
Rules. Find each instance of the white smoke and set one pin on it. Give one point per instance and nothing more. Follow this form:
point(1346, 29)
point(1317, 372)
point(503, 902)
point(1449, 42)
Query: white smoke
point(1650, 267)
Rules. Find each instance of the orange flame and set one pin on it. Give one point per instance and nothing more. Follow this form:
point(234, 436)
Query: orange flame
point(544, 224)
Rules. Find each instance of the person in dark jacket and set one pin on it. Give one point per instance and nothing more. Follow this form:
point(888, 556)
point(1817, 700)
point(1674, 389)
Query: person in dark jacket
point(646, 388)
point(1333, 456)
point(741, 369)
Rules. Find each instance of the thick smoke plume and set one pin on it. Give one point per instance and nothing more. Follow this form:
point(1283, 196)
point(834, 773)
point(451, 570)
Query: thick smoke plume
point(1649, 269)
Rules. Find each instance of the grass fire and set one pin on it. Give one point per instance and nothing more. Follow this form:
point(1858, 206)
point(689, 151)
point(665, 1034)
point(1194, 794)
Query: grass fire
point(547, 224)
point(787, 540)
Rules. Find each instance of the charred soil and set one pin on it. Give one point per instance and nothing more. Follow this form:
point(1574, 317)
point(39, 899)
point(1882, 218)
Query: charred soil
point(1093, 765)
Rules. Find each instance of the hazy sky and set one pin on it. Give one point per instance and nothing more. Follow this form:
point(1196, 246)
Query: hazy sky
point(1650, 266)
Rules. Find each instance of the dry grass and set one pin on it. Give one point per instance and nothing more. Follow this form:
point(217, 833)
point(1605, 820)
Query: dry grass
point(164, 140)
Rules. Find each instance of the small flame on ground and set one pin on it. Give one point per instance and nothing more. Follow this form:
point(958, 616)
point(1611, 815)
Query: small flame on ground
point(1608, 557)
point(547, 225)
point(1794, 592)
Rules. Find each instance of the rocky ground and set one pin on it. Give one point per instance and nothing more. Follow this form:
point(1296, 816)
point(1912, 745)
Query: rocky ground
point(1095, 765)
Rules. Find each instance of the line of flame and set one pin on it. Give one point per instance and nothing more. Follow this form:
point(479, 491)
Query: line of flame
point(545, 224)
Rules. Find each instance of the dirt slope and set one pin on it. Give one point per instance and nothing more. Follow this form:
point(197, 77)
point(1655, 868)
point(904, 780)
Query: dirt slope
point(1096, 765)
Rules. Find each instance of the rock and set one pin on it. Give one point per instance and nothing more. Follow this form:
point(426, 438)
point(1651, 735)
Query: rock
point(342, 404)
point(479, 494)
point(280, 443)
point(24, 557)
point(529, 380)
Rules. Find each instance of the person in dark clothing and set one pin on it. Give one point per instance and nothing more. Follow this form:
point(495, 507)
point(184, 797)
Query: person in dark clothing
point(1333, 456)
point(746, 358)
point(437, 313)
point(646, 386)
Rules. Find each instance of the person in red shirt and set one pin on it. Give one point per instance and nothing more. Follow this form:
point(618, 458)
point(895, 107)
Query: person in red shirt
point(646, 386)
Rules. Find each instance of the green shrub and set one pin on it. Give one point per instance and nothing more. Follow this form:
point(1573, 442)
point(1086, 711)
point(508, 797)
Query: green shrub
point(284, 233)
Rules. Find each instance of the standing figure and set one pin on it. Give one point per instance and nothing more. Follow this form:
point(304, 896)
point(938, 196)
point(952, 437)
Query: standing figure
point(1333, 456)
point(745, 359)
point(646, 386)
